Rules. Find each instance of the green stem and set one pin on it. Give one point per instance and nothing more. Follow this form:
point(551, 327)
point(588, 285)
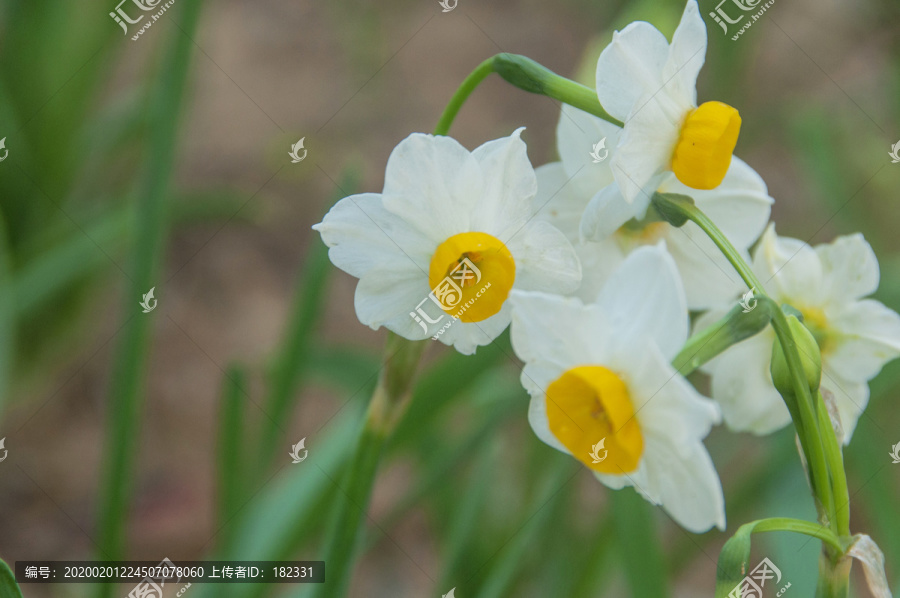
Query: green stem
point(387, 405)
point(677, 209)
point(838, 476)
point(810, 434)
point(130, 365)
point(834, 576)
point(528, 75)
point(481, 72)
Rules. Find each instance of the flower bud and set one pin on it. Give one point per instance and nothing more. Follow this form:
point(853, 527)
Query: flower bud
point(810, 358)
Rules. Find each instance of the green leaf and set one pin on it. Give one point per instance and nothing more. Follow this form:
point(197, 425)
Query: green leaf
point(297, 346)
point(505, 568)
point(8, 586)
point(126, 391)
point(231, 442)
point(7, 318)
point(639, 544)
point(465, 524)
point(285, 511)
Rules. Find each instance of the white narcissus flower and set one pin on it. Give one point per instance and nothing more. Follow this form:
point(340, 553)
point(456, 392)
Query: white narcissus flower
point(856, 336)
point(602, 371)
point(651, 86)
point(579, 196)
point(450, 236)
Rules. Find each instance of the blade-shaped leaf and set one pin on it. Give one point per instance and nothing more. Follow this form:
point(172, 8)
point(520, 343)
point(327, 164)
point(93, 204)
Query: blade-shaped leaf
point(8, 586)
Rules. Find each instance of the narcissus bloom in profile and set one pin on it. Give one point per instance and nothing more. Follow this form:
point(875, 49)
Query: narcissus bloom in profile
point(856, 336)
point(579, 196)
point(602, 372)
point(651, 86)
point(450, 236)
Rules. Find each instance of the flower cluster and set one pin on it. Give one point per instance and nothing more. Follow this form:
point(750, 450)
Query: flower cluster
point(598, 287)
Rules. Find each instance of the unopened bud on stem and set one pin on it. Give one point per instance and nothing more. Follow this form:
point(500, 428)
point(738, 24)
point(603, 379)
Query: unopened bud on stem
point(810, 359)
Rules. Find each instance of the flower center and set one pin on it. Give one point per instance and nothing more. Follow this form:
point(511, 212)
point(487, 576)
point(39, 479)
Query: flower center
point(588, 404)
point(471, 275)
point(704, 148)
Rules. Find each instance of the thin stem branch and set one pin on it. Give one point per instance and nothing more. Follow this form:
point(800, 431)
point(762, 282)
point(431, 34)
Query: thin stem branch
point(481, 72)
point(528, 75)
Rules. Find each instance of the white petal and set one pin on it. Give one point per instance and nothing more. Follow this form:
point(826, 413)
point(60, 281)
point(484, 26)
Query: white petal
point(790, 269)
point(545, 260)
point(688, 487)
point(434, 183)
point(661, 396)
point(866, 336)
point(631, 66)
point(560, 205)
point(709, 279)
point(742, 385)
point(607, 211)
point(644, 298)
point(687, 54)
point(850, 396)
point(537, 417)
point(598, 262)
point(558, 201)
point(387, 297)
point(556, 330)
point(576, 135)
point(646, 147)
point(850, 268)
point(364, 237)
point(465, 337)
point(504, 203)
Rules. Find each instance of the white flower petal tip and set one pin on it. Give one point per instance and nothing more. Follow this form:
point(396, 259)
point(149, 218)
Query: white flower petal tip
point(645, 299)
point(442, 203)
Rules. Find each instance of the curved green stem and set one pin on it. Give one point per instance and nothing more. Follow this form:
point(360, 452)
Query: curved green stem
point(530, 76)
point(677, 209)
point(481, 72)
